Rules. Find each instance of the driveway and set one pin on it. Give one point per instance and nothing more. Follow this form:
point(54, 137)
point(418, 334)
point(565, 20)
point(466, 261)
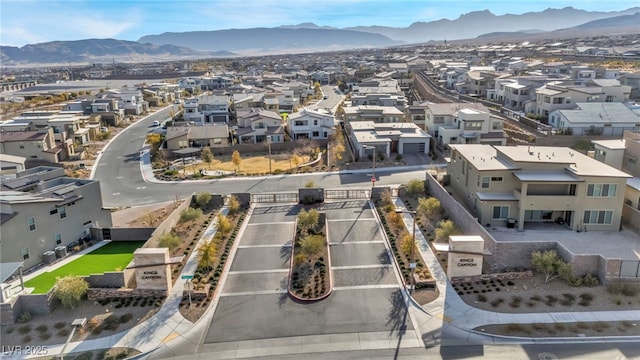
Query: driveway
point(366, 301)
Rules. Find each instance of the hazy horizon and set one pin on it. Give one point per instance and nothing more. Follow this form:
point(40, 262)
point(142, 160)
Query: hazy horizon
point(63, 20)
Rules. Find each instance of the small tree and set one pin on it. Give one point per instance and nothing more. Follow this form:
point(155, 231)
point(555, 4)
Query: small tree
point(169, 240)
point(224, 225)
point(312, 244)
point(415, 187)
point(387, 201)
point(234, 204)
point(203, 198)
point(308, 220)
point(427, 207)
point(550, 264)
point(154, 139)
point(70, 290)
point(407, 244)
point(207, 254)
point(236, 159)
point(207, 156)
point(445, 229)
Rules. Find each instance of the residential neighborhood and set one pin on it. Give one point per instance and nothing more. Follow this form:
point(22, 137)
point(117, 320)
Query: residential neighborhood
point(392, 199)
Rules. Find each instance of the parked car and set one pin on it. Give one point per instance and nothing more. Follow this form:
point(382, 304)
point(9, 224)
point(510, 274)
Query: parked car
point(155, 123)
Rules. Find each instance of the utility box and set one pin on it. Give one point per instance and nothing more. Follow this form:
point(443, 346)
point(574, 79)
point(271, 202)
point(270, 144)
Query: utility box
point(61, 252)
point(49, 257)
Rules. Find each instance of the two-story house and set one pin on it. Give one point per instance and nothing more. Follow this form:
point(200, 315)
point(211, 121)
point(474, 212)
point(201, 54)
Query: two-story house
point(41, 209)
point(311, 124)
point(207, 110)
point(258, 126)
point(517, 185)
point(375, 113)
point(32, 145)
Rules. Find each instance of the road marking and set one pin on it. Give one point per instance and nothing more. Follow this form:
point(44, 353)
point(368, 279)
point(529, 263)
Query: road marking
point(363, 287)
point(273, 223)
point(264, 292)
point(355, 219)
point(361, 267)
point(141, 187)
point(170, 337)
point(116, 194)
point(241, 272)
point(263, 246)
point(357, 242)
point(118, 177)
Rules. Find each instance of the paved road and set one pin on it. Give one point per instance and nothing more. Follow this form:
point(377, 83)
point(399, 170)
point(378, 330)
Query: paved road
point(122, 184)
point(365, 306)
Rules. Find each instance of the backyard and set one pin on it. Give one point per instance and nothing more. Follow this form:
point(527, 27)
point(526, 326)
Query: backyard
point(114, 256)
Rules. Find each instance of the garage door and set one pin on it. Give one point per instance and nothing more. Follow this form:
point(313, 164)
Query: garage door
point(413, 148)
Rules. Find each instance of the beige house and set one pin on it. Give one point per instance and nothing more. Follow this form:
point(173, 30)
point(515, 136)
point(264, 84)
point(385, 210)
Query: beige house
point(258, 126)
point(33, 145)
point(181, 137)
point(41, 209)
point(517, 185)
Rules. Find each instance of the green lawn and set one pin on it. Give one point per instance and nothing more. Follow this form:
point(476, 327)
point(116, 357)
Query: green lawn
point(114, 256)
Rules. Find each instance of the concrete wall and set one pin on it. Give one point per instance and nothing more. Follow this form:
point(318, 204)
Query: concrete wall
point(243, 198)
point(99, 294)
point(167, 225)
point(131, 234)
point(376, 192)
point(631, 218)
point(308, 195)
point(115, 279)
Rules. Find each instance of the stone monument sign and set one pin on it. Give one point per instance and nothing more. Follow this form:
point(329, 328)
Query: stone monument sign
point(465, 256)
point(152, 268)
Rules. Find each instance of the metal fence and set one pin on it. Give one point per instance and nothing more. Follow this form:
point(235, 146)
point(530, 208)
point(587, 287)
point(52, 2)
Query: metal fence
point(630, 269)
point(274, 198)
point(347, 194)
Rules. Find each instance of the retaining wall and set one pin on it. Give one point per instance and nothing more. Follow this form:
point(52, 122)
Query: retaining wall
point(101, 294)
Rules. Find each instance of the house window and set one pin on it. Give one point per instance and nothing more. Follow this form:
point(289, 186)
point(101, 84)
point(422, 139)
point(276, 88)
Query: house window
point(500, 212)
point(315, 134)
point(31, 221)
point(485, 182)
point(496, 125)
point(496, 178)
point(601, 190)
point(25, 253)
point(315, 122)
point(260, 125)
point(300, 123)
point(58, 238)
point(601, 217)
point(53, 212)
point(609, 98)
point(63, 212)
point(21, 147)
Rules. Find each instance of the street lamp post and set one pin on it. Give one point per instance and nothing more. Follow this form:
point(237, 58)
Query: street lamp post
point(412, 260)
point(77, 323)
point(373, 177)
point(269, 143)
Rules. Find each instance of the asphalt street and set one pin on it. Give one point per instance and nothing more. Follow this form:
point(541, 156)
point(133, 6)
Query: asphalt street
point(254, 302)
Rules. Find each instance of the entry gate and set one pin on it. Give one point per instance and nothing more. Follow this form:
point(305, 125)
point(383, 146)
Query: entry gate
point(275, 198)
point(341, 194)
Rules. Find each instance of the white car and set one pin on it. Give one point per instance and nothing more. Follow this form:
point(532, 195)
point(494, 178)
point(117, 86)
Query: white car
point(155, 123)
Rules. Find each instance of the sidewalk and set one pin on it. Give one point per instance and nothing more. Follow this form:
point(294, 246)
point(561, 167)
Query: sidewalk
point(458, 319)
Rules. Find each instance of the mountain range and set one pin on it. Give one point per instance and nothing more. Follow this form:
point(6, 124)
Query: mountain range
point(309, 37)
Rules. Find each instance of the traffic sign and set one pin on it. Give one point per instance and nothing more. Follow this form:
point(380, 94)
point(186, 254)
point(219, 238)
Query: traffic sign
point(373, 179)
point(187, 276)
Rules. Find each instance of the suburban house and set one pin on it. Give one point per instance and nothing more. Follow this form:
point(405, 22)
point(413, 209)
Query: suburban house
point(258, 126)
point(10, 165)
point(378, 86)
point(458, 123)
point(595, 118)
point(476, 82)
point(375, 113)
point(518, 185)
point(130, 101)
point(182, 137)
point(248, 101)
point(566, 94)
point(397, 101)
point(624, 154)
point(207, 110)
point(310, 124)
point(35, 145)
point(387, 139)
point(41, 210)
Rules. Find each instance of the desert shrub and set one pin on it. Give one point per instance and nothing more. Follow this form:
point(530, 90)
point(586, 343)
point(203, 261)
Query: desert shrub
point(234, 204)
point(415, 187)
point(550, 265)
point(515, 301)
point(125, 318)
point(24, 329)
point(42, 328)
point(63, 332)
point(308, 220)
point(24, 317)
point(203, 198)
point(481, 298)
point(497, 302)
point(407, 244)
point(312, 244)
point(70, 290)
point(590, 280)
point(190, 214)
point(169, 240)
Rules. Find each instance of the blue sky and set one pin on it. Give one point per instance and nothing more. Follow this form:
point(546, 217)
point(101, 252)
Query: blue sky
point(32, 21)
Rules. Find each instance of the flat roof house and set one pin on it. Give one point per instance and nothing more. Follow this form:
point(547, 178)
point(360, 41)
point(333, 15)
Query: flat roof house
point(516, 185)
